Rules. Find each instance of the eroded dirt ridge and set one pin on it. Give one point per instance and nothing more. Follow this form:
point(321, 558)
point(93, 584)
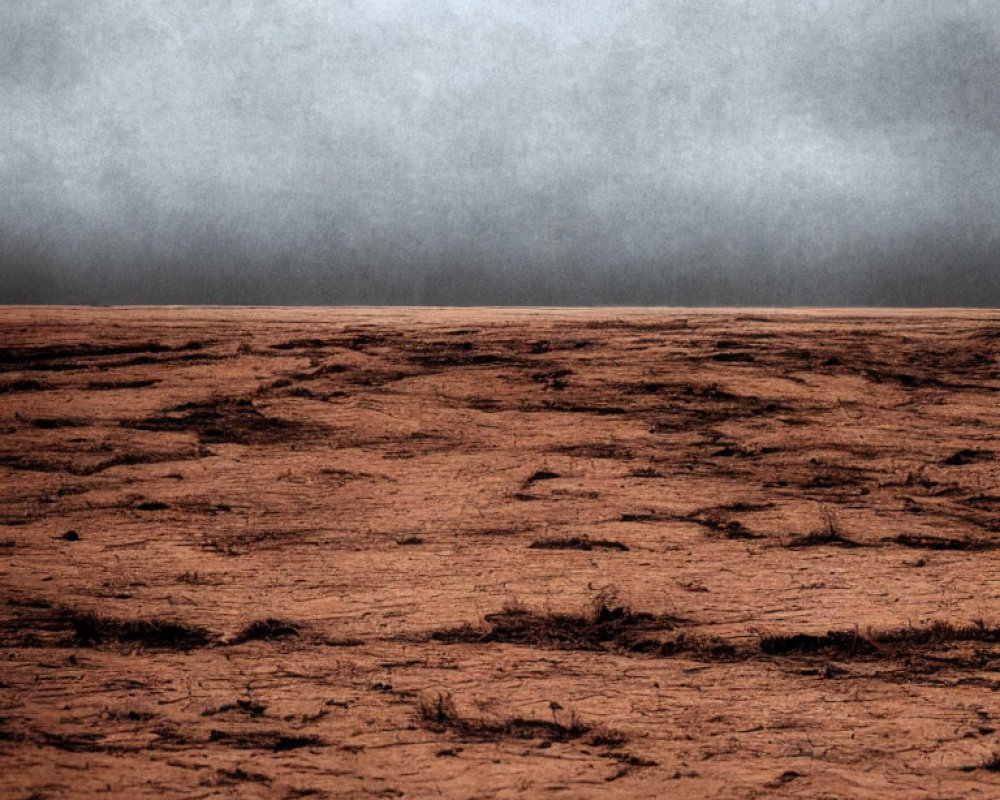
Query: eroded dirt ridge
point(349, 553)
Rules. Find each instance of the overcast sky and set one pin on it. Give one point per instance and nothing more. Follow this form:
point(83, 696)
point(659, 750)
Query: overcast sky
point(697, 152)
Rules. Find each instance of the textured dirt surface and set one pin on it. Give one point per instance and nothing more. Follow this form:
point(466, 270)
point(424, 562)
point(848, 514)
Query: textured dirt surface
point(499, 553)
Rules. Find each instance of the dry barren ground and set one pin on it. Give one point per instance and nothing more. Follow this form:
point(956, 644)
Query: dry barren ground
point(485, 553)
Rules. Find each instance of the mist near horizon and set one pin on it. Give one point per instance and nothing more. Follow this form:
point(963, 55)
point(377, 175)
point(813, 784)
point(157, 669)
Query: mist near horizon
point(449, 152)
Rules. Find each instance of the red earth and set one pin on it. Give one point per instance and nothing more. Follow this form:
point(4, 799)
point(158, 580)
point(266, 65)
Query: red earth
point(313, 552)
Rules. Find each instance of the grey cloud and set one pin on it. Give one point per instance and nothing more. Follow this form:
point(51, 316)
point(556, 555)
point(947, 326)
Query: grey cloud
point(459, 152)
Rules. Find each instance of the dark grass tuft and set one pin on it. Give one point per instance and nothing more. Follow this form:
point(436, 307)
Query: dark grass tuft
point(240, 775)
point(939, 632)
point(21, 385)
point(883, 644)
point(830, 535)
point(606, 627)
point(729, 528)
point(230, 420)
point(921, 542)
point(542, 475)
point(266, 630)
point(92, 629)
point(992, 762)
point(439, 714)
point(739, 357)
point(641, 516)
point(248, 707)
point(105, 386)
point(301, 344)
point(966, 456)
point(841, 642)
point(275, 741)
point(704, 648)
point(825, 538)
point(53, 423)
point(577, 543)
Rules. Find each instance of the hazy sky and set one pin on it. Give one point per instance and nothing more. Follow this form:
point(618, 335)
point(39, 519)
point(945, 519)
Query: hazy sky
point(526, 151)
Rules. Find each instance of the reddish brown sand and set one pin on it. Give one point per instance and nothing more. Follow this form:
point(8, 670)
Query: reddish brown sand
point(499, 553)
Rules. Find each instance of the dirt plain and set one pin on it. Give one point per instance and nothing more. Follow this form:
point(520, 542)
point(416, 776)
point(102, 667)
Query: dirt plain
point(487, 553)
